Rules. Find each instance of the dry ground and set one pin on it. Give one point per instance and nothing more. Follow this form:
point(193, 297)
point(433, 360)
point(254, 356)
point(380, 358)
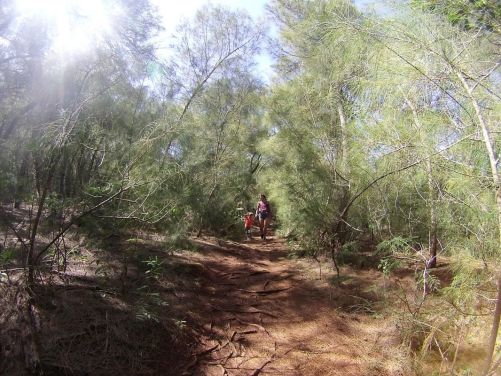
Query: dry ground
point(263, 313)
point(221, 308)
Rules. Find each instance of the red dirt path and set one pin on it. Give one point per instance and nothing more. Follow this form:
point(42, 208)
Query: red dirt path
point(260, 313)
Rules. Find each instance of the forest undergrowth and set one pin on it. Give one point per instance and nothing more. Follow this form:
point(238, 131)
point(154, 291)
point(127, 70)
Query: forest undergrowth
point(134, 305)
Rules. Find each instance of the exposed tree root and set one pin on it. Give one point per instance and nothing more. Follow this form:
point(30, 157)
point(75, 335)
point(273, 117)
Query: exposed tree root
point(264, 292)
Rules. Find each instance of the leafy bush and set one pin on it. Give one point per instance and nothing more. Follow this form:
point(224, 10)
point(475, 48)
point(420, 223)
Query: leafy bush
point(394, 245)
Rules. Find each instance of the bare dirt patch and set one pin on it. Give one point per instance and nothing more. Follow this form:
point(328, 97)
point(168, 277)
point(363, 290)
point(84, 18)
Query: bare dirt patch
point(263, 313)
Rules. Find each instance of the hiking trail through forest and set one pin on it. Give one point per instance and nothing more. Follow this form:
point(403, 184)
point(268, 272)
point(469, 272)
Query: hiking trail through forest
point(134, 306)
point(264, 314)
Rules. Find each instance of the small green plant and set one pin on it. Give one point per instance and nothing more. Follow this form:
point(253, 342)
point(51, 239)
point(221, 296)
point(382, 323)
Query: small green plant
point(143, 314)
point(431, 281)
point(7, 256)
point(147, 304)
point(155, 267)
point(349, 253)
point(397, 244)
point(388, 265)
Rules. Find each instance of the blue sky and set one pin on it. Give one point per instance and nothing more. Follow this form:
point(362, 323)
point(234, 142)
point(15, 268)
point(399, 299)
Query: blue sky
point(173, 11)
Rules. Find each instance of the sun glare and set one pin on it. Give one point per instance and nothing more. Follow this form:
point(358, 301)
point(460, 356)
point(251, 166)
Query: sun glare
point(75, 25)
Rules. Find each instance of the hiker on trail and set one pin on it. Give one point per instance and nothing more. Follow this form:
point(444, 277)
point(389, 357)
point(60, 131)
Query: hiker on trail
point(248, 222)
point(263, 214)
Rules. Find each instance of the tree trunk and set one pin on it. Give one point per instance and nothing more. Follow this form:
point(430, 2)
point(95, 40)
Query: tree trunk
point(51, 170)
point(493, 160)
point(344, 139)
point(495, 328)
point(345, 190)
point(22, 178)
point(433, 239)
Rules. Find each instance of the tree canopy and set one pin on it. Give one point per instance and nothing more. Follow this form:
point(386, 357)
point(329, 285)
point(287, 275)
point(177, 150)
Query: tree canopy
point(376, 132)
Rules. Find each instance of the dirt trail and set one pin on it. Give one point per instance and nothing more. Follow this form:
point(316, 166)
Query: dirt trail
point(260, 313)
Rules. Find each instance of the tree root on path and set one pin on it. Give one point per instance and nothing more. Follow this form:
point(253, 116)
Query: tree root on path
point(264, 292)
point(244, 311)
point(238, 274)
point(198, 356)
point(262, 328)
point(257, 371)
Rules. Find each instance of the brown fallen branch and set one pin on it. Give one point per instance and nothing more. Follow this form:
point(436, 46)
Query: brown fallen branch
point(230, 342)
point(195, 361)
point(239, 274)
point(231, 273)
point(262, 328)
point(250, 331)
point(258, 272)
point(232, 339)
point(285, 277)
point(250, 312)
point(12, 270)
point(264, 292)
point(230, 355)
point(243, 311)
point(221, 360)
point(257, 371)
point(290, 370)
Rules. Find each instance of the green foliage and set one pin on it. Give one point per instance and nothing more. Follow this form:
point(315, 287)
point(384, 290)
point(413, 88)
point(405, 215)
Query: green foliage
point(154, 268)
point(147, 305)
point(469, 276)
point(350, 254)
point(367, 129)
point(395, 245)
point(7, 256)
point(178, 240)
point(426, 278)
point(472, 14)
point(387, 265)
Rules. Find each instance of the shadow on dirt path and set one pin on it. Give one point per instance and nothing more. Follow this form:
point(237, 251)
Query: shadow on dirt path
point(259, 312)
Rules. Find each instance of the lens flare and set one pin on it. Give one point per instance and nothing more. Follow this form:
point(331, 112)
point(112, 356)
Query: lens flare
point(74, 26)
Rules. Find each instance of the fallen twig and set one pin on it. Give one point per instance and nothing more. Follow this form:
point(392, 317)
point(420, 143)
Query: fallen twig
point(255, 311)
point(264, 292)
point(250, 331)
point(285, 277)
point(198, 355)
point(257, 371)
point(262, 328)
point(258, 272)
point(244, 311)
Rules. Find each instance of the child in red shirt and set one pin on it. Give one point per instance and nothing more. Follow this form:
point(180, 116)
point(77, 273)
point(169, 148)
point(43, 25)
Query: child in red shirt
point(248, 221)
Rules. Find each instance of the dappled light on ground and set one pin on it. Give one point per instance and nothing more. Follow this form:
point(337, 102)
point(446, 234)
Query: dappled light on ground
point(264, 313)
